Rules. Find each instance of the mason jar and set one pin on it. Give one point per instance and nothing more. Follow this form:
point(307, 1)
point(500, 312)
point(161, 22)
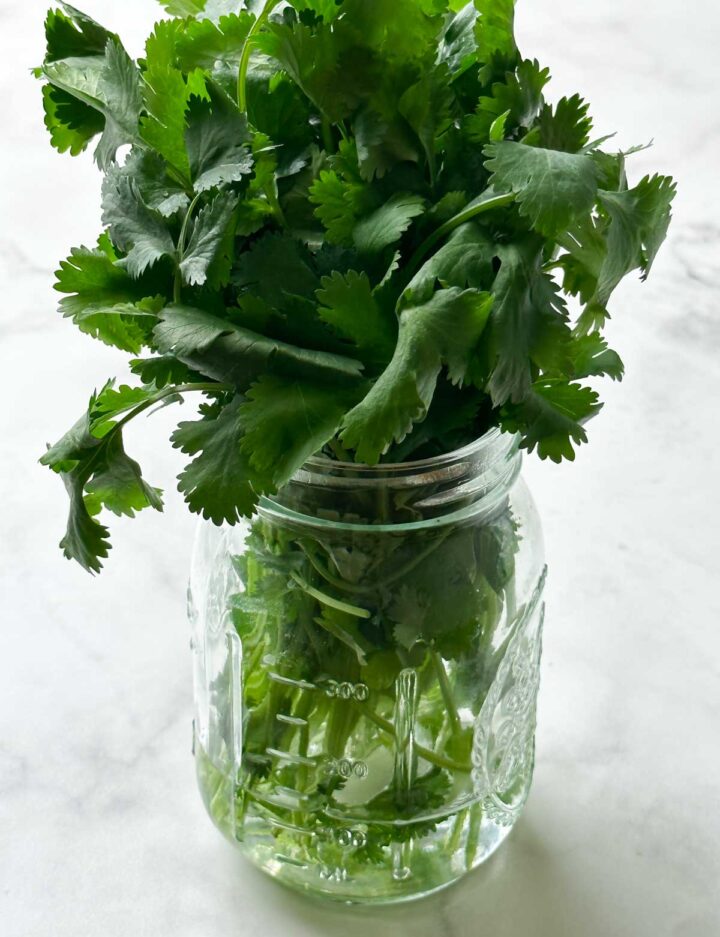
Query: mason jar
point(366, 663)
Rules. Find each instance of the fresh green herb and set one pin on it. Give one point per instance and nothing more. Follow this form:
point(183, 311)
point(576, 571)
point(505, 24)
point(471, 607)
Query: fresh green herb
point(337, 219)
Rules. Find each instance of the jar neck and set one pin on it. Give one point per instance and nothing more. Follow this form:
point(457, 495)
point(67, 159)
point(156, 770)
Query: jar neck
point(476, 478)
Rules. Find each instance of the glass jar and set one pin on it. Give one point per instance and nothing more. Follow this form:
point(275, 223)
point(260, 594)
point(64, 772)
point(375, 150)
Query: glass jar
point(366, 659)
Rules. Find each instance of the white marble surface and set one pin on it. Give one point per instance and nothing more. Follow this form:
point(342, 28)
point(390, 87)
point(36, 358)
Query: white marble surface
point(102, 833)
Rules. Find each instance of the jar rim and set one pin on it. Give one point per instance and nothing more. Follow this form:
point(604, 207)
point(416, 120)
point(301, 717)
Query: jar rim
point(477, 447)
point(447, 488)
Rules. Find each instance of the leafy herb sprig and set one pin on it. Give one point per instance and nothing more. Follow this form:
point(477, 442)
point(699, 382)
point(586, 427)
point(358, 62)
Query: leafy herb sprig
point(349, 225)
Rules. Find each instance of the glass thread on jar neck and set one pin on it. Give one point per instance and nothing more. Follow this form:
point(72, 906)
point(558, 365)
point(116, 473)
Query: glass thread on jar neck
point(472, 480)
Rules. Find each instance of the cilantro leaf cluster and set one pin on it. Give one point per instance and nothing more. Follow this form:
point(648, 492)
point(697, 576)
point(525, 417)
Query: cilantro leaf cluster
point(350, 225)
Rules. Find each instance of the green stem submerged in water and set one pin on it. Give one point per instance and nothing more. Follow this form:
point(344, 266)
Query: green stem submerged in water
point(433, 757)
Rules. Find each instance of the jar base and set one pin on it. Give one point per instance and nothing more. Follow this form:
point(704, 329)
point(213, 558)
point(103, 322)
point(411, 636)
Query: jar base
point(364, 863)
point(377, 887)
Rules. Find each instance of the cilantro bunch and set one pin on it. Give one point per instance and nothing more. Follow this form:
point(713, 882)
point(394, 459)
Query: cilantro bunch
point(350, 225)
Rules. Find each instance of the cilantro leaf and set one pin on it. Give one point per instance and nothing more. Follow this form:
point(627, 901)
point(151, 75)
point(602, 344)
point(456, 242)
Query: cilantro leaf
point(220, 482)
point(71, 124)
point(584, 243)
point(387, 224)
point(183, 7)
point(167, 94)
point(311, 58)
point(163, 370)
point(260, 202)
point(117, 484)
point(134, 227)
point(227, 352)
point(157, 187)
point(278, 109)
point(72, 34)
point(591, 357)
point(209, 233)
point(108, 84)
point(465, 260)
point(256, 270)
point(126, 326)
point(457, 46)
point(565, 127)
point(97, 472)
point(104, 301)
point(550, 418)
point(495, 34)
point(427, 107)
point(552, 187)
point(404, 32)
point(452, 421)
point(339, 204)
point(515, 103)
point(443, 331)
point(86, 540)
point(216, 141)
point(528, 322)
point(348, 305)
point(288, 421)
point(382, 144)
point(639, 221)
point(325, 9)
point(213, 46)
point(626, 236)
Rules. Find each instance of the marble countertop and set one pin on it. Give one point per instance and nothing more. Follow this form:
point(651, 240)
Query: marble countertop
point(102, 832)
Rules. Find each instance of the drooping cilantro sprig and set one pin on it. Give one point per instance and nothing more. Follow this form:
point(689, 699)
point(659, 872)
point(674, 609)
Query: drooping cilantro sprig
point(349, 225)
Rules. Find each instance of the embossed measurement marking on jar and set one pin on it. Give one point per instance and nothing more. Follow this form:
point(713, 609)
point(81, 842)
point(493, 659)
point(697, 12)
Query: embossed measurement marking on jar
point(335, 689)
point(348, 840)
point(355, 838)
point(290, 827)
point(288, 681)
point(291, 757)
point(289, 860)
point(256, 758)
point(357, 691)
point(291, 720)
point(286, 798)
point(348, 768)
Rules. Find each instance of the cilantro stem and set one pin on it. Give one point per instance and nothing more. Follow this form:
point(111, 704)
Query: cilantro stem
point(328, 142)
point(473, 835)
point(457, 828)
point(446, 691)
point(468, 213)
point(146, 404)
point(326, 599)
point(274, 202)
point(172, 390)
point(247, 49)
point(177, 286)
point(357, 588)
point(339, 451)
point(382, 503)
point(433, 757)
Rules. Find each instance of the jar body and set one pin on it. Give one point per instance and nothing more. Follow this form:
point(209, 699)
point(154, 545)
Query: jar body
point(366, 659)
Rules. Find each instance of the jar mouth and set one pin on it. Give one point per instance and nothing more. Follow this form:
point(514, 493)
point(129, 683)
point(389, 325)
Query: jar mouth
point(483, 445)
point(487, 440)
point(472, 480)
